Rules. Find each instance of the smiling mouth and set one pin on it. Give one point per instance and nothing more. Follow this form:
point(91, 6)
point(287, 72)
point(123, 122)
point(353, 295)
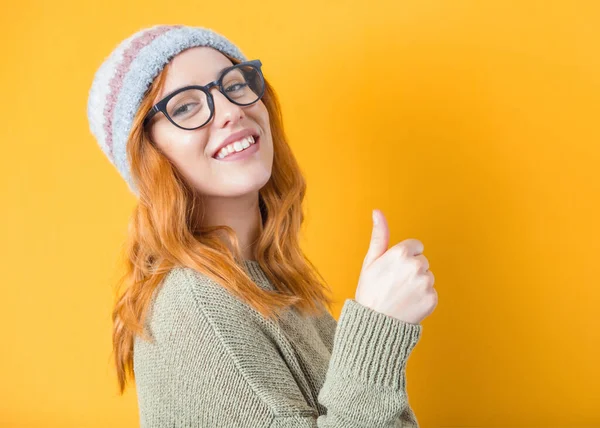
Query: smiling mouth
point(256, 139)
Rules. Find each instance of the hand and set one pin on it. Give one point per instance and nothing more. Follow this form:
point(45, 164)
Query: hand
point(396, 281)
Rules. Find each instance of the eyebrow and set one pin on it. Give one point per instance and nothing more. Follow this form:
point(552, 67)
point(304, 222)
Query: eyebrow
point(217, 75)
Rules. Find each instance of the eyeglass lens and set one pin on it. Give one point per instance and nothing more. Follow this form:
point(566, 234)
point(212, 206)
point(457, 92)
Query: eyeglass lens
point(243, 85)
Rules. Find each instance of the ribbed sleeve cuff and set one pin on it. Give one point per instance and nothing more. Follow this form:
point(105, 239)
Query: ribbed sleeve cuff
point(371, 346)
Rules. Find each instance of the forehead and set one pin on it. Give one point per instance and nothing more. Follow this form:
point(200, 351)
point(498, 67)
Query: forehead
point(193, 66)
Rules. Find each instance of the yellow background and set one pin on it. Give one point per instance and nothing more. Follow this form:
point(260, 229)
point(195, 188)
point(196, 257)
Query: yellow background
point(473, 125)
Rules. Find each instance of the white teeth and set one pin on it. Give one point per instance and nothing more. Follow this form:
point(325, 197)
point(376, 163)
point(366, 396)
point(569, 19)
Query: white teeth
point(237, 146)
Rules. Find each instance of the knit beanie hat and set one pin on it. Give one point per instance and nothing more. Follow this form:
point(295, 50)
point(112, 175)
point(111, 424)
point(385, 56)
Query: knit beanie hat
point(121, 81)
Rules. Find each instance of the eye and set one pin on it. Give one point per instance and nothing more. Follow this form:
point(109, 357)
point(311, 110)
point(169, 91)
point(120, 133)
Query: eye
point(236, 87)
point(182, 109)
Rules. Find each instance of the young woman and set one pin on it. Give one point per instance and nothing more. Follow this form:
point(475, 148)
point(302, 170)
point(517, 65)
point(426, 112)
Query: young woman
point(223, 320)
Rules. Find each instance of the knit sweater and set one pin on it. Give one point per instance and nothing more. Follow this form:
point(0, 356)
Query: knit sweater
point(216, 362)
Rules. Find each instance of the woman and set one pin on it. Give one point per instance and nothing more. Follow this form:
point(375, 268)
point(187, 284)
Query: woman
point(222, 322)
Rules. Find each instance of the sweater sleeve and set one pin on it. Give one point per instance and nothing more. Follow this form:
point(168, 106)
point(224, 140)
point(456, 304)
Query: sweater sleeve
point(212, 366)
point(365, 385)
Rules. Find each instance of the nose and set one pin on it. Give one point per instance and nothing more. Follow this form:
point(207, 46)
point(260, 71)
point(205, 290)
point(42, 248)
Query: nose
point(225, 110)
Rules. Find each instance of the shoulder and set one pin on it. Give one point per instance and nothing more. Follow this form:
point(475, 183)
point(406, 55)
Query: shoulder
point(188, 374)
point(183, 280)
point(201, 329)
point(187, 292)
point(189, 300)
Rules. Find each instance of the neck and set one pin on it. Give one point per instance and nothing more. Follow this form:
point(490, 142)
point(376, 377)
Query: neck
point(241, 213)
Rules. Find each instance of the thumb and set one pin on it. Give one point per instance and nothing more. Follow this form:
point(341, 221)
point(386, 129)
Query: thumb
point(380, 237)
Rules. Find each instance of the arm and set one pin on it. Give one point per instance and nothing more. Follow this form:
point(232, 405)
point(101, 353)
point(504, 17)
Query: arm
point(213, 365)
point(365, 384)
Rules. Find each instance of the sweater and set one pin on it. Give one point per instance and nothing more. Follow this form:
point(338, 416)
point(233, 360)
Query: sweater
point(216, 362)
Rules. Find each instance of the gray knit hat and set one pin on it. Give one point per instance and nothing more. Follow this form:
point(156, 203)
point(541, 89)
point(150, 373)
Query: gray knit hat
point(123, 78)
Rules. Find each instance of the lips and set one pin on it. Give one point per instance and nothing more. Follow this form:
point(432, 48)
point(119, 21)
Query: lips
point(246, 153)
point(236, 136)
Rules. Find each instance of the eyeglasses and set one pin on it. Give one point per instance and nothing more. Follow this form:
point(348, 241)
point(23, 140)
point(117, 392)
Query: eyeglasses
point(192, 107)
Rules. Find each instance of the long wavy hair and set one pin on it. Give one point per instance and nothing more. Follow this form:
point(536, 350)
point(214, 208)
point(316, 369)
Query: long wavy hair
point(163, 234)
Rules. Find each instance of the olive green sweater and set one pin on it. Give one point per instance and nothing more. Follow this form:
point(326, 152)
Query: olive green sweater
point(217, 363)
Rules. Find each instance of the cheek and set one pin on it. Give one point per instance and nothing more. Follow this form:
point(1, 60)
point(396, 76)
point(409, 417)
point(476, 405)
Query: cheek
point(191, 142)
point(265, 112)
point(260, 112)
point(179, 144)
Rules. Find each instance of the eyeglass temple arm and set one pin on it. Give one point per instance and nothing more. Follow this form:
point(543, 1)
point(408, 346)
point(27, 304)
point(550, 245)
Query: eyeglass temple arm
point(150, 114)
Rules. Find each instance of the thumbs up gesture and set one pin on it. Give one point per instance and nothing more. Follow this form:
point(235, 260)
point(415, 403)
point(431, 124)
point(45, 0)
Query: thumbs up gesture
point(396, 281)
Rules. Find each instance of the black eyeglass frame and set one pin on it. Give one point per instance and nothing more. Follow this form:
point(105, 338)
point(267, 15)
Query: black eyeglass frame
point(161, 106)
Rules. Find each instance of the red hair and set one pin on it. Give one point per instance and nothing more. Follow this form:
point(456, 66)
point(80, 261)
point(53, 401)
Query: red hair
point(162, 234)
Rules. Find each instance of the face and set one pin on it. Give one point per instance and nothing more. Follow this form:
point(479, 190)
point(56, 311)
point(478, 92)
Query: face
point(193, 152)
